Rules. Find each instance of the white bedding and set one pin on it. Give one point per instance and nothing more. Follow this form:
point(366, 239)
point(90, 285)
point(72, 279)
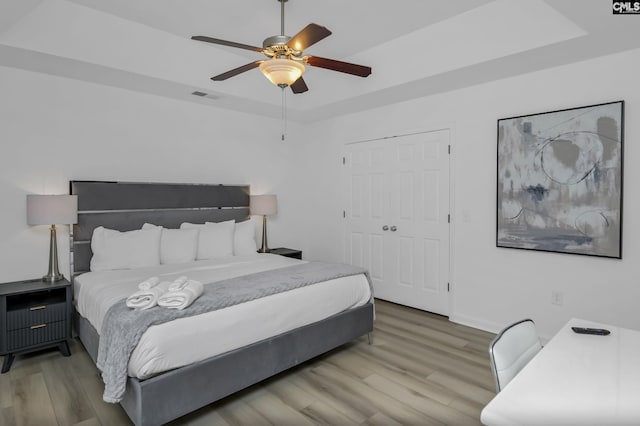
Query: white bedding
point(171, 345)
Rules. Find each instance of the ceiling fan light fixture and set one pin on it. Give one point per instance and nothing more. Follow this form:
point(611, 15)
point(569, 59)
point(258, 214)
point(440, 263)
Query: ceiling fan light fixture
point(282, 72)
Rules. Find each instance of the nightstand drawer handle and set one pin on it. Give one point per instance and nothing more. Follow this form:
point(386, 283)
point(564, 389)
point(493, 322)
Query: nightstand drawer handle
point(33, 327)
point(35, 308)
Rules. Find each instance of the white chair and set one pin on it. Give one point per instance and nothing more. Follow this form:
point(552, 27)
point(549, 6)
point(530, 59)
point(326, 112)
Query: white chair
point(512, 349)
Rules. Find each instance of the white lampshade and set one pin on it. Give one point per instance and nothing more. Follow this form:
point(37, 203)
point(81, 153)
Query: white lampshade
point(282, 72)
point(52, 209)
point(264, 204)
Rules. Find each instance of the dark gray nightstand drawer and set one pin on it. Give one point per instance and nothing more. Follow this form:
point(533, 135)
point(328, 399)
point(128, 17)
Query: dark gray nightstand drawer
point(36, 314)
point(36, 335)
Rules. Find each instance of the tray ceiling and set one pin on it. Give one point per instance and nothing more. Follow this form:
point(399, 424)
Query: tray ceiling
point(415, 47)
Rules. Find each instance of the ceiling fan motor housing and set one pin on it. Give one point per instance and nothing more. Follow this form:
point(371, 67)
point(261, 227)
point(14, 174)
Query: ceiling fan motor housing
point(276, 42)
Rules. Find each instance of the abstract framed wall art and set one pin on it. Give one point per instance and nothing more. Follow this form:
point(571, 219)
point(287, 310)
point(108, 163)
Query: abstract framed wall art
point(560, 181)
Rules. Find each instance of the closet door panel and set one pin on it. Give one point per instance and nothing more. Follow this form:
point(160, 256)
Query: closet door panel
point(368, 205)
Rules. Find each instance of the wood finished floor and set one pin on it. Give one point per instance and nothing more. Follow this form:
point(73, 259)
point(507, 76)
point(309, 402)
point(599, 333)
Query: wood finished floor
point(420, 370)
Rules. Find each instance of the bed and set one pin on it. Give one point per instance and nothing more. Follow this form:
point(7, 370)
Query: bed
point(158, 393)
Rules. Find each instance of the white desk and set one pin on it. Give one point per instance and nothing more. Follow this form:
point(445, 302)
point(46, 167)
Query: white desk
point(575, 379)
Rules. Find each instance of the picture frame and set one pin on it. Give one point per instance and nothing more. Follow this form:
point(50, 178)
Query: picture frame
point(560, 181)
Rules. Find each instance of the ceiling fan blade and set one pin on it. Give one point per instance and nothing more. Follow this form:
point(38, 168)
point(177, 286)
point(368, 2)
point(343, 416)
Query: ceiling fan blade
point(236, 71)
point(226, 43)
point(332, 64)
point(299, 86)
point(309, 35)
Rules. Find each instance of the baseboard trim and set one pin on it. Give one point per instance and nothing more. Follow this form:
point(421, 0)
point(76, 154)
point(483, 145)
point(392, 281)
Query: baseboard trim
point(479, 323)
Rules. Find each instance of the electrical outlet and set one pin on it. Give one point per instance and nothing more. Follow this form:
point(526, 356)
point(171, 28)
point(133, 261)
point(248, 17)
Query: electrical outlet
point(557, 297)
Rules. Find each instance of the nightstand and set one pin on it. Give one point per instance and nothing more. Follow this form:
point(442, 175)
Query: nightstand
point(34, 315)
point(287, 252)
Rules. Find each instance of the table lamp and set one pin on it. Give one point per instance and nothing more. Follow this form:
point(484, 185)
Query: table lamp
point(52, 210)
point(265, 205)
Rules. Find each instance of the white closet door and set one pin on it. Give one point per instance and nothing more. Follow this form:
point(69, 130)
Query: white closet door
point(397, 221)
point(368, 209)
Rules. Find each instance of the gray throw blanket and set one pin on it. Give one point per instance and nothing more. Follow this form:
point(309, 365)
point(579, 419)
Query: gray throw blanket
point(123, 327)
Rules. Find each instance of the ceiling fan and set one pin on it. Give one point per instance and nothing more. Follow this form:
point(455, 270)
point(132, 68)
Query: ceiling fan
point(286, 62)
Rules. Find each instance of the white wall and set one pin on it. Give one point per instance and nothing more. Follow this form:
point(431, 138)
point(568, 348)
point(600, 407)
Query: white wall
point(55, 129)
point(491, 286)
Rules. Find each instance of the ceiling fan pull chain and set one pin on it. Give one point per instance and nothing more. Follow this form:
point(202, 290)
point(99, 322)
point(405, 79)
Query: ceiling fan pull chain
point(284, 113)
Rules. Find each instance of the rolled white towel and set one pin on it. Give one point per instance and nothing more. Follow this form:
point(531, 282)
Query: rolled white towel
point(182, 298)
point(178, 283)
point(145, 299)
point(149, 283)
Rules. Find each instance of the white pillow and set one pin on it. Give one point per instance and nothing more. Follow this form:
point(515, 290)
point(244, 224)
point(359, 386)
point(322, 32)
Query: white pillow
point(244, 241)
point(215, 240)
point(124, 250)
point(188, 225)
point(177, 245)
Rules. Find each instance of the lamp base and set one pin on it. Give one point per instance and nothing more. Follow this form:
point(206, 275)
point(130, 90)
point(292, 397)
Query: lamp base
point(52, 278)
point(264, 248)
point(53, 274)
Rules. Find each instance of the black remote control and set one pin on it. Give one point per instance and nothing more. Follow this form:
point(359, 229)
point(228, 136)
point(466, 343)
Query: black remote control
point(597, 331)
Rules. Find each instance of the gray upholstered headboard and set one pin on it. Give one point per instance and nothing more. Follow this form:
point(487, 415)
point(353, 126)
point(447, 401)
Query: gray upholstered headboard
point(126, 206)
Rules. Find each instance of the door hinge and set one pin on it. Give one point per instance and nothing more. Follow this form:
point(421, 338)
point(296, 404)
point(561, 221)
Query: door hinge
point(448, 218)
point(344, 213)
point(344, 160)
point(448, 287)
point(448, 149)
